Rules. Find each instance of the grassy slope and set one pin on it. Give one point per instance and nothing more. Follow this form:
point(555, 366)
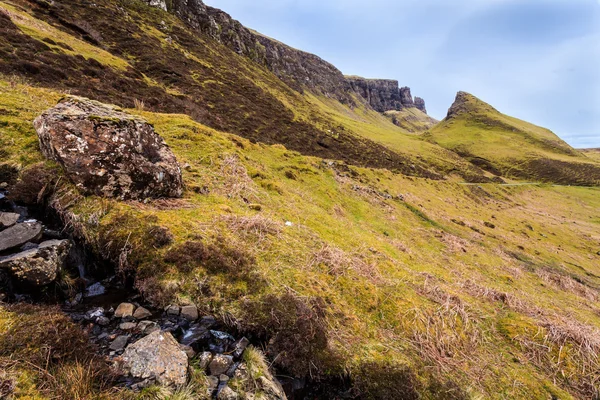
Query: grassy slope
point(402, 284)
point(592, 153)
point(412, 119)
point(511, 147)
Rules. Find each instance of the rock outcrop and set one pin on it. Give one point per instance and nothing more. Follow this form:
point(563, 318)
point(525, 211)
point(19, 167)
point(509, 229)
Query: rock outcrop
point(159, 357)
point(385, 94)
point(38, 266)
point(107, 152)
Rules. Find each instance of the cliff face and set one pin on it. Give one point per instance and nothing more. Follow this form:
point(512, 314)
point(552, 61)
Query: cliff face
point(296, 68)
point(385, 94)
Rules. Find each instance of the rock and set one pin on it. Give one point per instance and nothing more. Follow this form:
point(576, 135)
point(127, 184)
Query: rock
point(226, 393)
point(29, 246)
point(107, 152)
point(384, 94)
point(18, 235)
point(94, 313)
point(203, 360)
point(188, 351)
point(223, 378)
point(97, 289)
point(127, 326)
point(8, 219)
point(220, 364)
point(103, 321)
point(420, 104)
point(38, 266)
point(124, 310)
point(189, 312)
point(158, 4)
point(271, 387)
point(119, 343)
point(173, 311)
point(213, 383)
point(141, 313)
point(196, 337)
point(239, 346)
point(147, 327)
point(157, 356)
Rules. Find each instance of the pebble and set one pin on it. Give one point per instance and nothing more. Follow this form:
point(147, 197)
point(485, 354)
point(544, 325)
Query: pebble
point(124, 310)
point(119, 343)
point(141, 313)
point(173, 311)
point(189, 312)
point(127, 326)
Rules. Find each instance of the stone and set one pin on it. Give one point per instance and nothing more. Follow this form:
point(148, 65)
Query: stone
point(127, 326)
point(384, 94)
point(189, 312)
point(203, 360)
point(39, 266)
point(239, 346)
point(147, 327)
point(220, 364)
point(188, 351)
point(8, 219)
point(19, 234)
point(103, 321)
point(223, 378)
point(213, 383)
point(107, 152)
point(196, 337)
point(29, 246)
point(97, 289)
point(119, 343)
point(141, 313)
point(157, 356)
point(124, 310)
point(226, 393)
point(173, 311)
point(158, 4)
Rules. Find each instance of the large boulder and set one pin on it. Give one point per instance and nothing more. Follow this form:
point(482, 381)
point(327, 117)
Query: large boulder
point(20, 234)
point(107, 152)
point(38, 266)
point(157, 356)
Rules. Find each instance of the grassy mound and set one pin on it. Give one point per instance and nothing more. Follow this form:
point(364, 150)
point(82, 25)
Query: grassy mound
point(509, 147)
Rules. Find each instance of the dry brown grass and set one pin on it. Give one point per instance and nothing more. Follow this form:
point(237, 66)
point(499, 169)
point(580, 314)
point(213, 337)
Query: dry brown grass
point(340, 263)
point(257, 226)
point(236, 182)
point(567, 284)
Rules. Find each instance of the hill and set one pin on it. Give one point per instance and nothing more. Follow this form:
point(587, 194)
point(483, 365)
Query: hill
point(509, 147)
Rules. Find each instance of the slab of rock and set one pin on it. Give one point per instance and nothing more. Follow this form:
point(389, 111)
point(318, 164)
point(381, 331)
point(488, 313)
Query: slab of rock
point(147, 327)
point(8, 219)
point(38, 266)
point(19, 234)
point(141, 313)
point(124, 310)
point(157, 356)
point(119, 343)
point(107, 152)
point(189, 312)
point(220, 364)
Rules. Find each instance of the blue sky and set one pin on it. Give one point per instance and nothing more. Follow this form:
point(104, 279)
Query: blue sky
point(538, 60)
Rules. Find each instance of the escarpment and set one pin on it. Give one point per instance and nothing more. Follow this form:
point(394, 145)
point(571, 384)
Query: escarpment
point(385, 94)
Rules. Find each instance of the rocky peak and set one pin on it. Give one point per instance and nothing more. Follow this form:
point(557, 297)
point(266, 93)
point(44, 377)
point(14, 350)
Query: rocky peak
point(384, 94)
point(467, 103)
point(420, 104)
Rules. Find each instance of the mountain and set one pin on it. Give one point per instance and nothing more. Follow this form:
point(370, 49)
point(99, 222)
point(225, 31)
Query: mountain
point(365, 250)
point(509, 147)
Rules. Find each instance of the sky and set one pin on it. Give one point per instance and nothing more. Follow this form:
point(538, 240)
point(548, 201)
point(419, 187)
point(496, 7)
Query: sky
point(538, 60)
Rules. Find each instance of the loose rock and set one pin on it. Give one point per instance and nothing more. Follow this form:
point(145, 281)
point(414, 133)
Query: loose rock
point(97, 289)
point(227, 394)
point(189, 312)
point(8, 219)
point(38, 266)
point(20, 234)
point(127, 326)
point(173, 311)
point(141, 313)
point(157, 356)
point(119, 343)
point(220, 364)
point(124, 310)
point(107, 152)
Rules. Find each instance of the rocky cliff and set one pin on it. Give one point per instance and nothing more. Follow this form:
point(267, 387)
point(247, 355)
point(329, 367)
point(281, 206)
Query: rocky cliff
point(385, 94)
point(296, 68)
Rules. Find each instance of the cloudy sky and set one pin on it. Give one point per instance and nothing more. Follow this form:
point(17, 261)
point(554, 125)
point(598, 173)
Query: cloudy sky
point(537, 60)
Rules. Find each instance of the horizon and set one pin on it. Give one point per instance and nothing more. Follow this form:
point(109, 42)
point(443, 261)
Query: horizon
point(543, 72)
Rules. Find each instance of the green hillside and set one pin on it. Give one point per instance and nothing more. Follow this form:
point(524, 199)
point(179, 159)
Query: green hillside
point(509, 147)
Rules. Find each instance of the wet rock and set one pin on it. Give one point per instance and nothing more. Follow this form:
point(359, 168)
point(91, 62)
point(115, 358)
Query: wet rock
point(157, 356)
point(119, 343)
point(124, 310)
point(29, 246)
point(141, 313)
point(94, 313)
point(107, 152)
point(97, 289)
point(173, 311)
point(220, 364)
point(189, 312)
point(38, 266)
point(8, 219)
point(226, 393)
point(221, 341)
point(208, 322)
point(18, 235)
point(239, 346)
